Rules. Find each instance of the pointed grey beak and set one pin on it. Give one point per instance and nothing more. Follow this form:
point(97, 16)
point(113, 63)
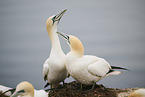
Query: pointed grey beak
point(65, 36)
point(58, 16)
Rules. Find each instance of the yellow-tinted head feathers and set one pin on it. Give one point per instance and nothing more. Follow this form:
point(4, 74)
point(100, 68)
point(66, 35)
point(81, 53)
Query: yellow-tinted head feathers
point(75, 44)
point(53, 21)
point(49, 24)
point(25, 89)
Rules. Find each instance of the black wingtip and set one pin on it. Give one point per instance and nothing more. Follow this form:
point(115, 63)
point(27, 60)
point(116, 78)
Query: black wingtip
point(46, 85)
point(110, 71)
point(115, 67)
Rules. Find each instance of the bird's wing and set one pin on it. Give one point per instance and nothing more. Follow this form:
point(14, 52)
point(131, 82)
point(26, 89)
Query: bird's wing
point(6, 90)
point(99, 68)
point(40, 93)
point(45, 69)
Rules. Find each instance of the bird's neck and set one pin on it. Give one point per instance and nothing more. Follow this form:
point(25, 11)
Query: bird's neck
point(77, 50)
point(55, 43)
point(32, 95)
point(72, 56)
point(28, 95)
point(76, 53)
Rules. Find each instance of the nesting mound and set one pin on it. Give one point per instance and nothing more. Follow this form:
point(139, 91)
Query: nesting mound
point(73, 90)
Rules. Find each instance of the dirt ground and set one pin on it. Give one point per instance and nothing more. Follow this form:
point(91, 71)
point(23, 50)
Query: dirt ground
point(73, 90)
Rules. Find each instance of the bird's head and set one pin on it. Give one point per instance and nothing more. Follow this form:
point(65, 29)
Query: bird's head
point(53, 21)
point(75, 44)
point(24, 89)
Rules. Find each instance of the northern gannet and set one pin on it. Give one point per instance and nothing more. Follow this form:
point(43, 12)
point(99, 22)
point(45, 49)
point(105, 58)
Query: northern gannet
point(86, 69)
point(26, 89)
point(138, 93)
point(54, 69)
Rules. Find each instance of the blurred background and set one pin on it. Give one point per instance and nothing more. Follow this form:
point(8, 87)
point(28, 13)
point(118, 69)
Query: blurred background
point(112, 29)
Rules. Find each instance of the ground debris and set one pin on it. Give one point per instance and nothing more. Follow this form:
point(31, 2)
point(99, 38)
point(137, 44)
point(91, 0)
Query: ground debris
point(73, 90)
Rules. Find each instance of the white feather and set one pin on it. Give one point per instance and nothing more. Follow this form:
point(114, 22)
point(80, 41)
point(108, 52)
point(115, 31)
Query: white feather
point(54, 67)
point(87, 69)
point(45, 69)
point(40, 93)
point(99, 68)
point(4, 88)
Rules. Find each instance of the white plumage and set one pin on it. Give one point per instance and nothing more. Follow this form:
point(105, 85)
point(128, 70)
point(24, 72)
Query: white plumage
point(86, 69)
point(40, 93)
point(4, 88)
point(54, 69)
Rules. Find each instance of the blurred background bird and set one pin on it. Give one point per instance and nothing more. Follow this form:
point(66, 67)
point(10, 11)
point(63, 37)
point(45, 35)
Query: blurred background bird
point(23, 89)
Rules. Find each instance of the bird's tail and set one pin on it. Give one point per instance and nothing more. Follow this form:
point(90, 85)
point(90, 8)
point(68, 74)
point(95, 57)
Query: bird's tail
point(46, 85)
point(115, 67)
point(114, 72)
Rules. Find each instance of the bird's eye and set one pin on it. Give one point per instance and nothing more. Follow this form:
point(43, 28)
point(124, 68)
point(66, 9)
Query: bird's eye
point(21, 91)
point(53, 19)
point(68, 37)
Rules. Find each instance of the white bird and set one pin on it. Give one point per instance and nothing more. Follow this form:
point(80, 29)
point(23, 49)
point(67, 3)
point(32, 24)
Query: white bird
point(138, 93)
point(5, 88)
point(86, 69)
point(54, 69)
point(26, 89)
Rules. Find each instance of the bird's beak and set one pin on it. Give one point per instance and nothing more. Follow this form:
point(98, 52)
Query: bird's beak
point(17, 93)
point(10, 90)
point(65, 36)
point(58, 16)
